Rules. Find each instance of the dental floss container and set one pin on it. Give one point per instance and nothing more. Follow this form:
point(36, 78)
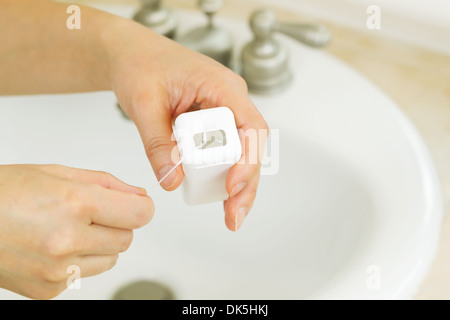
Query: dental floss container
point(209, 145)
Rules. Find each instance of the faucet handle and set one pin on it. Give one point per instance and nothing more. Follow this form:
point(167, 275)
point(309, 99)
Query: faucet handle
point(264, 22)
point(156, 4)
point(312, 34)
point(155, 16)
point(210, 39)
point(210, 6)
point(264, 61)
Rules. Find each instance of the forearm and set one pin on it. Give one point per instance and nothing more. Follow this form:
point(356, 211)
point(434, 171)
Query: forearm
point(40, 54)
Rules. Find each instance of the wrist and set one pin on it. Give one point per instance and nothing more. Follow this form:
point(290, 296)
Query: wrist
point(134, 57)
point(103, 28)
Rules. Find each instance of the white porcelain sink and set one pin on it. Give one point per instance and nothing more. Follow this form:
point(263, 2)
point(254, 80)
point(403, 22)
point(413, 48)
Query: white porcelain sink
point(356, 195)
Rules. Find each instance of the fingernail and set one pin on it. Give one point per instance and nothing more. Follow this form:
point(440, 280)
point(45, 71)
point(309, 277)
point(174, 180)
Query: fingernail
point(168, 181)
point(137, 190)
point(142, 191)
point(239, 218)
point(237, 188)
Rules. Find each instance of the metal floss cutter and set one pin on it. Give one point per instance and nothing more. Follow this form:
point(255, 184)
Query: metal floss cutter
point(209, 145)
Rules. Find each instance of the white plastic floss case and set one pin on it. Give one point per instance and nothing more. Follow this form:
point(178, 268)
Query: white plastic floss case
point(209, 145)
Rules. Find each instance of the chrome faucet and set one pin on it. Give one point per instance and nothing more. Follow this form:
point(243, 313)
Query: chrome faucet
point(264, 61)
point(157, 17)
point(210, 39)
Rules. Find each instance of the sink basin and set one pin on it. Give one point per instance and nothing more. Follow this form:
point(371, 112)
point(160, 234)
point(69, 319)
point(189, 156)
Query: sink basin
point(349, 207)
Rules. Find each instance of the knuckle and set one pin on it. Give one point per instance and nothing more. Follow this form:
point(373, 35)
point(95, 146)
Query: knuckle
point(236, 80)
point(54, 273)
point(104, 174)
point(157, 144)
point(108, 177)
point(59, 243)
point(261, 123)
point(74, 199)
point(240, 81)
point(77, 203)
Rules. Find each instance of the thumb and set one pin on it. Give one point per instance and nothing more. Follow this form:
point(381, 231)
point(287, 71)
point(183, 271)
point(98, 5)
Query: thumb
point(154, 123)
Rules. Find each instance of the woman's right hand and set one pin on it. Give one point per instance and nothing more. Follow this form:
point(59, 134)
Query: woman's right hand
point(53, 217)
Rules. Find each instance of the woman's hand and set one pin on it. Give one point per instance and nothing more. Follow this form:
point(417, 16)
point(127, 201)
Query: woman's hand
point(53, 217)
point(156, 79)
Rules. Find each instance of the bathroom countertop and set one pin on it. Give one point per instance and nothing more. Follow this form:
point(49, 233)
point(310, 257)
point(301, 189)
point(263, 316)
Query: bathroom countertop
point(417, 79)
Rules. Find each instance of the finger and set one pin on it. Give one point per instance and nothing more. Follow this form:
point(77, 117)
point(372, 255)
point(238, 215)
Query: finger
point(253, 131)
point(118, 209)
point(101, 178)
point(238, 206)
point(155, 127)
point(91, 265)
point(248, 167)
point(243, 177)
point(100, 240)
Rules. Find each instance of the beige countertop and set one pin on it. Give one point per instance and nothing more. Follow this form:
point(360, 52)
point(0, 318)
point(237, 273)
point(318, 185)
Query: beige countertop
point(417, 79)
